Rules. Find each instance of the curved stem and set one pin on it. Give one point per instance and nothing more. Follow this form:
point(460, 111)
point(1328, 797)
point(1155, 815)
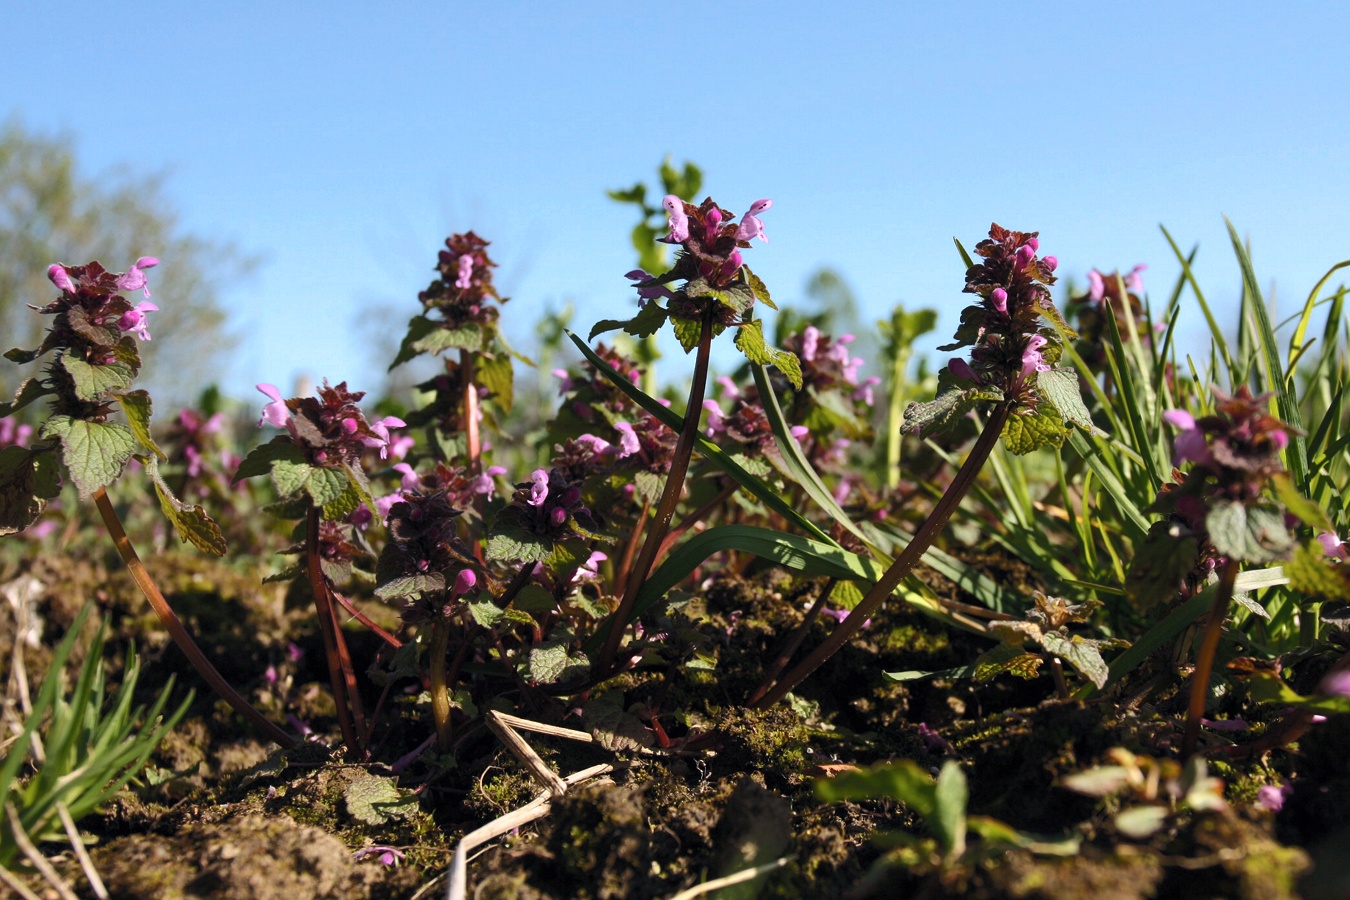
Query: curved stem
point(904, 563)
point(340, 675)
point(670, 498)
point(169, 619)
point(1204, 657)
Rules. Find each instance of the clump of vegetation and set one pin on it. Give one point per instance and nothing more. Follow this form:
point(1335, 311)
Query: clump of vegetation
point(973, 627)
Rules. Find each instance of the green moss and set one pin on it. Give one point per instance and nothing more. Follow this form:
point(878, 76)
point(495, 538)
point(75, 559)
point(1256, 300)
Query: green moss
point(773, 740)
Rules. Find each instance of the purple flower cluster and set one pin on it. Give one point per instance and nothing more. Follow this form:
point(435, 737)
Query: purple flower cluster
point(1013, 285)
point(462, 291)
point(550, 504)
point(1238, 447)
point(331, 430)
point(711, 239)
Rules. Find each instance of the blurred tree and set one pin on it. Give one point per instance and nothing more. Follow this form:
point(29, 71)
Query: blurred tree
point(50, 213)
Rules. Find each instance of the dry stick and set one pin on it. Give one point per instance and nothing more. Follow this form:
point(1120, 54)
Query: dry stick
point(328, 628)
point(793, 642)
point(37, 859)
point(904, 563)
point(670, 498)
point(717, 884)
point(77, 844)
point(1204, 657)
point(180, 635)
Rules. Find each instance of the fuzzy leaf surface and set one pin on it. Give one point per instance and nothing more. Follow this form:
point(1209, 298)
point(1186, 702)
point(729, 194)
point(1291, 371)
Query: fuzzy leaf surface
point(94, 452)
point(1249, 532)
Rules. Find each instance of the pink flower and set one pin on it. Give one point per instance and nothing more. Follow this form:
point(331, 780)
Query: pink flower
point(61, 278)
point(134, 279)
point(751, 227)
point(381, 429)
point(961, 369)
point(999, 297)
point(538, 488)
point(275, 413)
point(1337, 685)
point(1332, 545)
point(1032, 360)
point(1134, 281)
point(464, 582)
point(1271, 798)
point(1190, 444)
point(465, 279)
point(134, 319)
point(810, 343)
point(485, 483)
point(1096, 286)
point(628, 440)
point(715, 417)
point(678, 220)
point(649, 293)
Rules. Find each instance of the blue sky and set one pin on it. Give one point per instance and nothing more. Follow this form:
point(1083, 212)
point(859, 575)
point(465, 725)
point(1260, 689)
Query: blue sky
point(343, 142)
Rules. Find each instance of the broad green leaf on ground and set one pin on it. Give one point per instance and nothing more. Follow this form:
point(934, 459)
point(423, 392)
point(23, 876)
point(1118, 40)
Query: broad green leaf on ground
point(375, 799)
point(550, 663)
point(94, 452)
point(1007, 658)
point(1082, 653)
point(613, 727)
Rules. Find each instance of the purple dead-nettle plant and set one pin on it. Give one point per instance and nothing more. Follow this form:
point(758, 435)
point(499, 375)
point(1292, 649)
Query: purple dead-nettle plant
point(708, 290)
point(94, 359)
point(317, 469)
point(1011, 375)
point(1219, 514)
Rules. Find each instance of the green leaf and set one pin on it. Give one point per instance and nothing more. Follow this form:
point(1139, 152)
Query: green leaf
point(550, 663)
point(902, 781)
point(646, 323)
point(32, 389)
point(1312, 572)
point(750, 341)
point(1100, 781)
point(1161, 563)
point(1060, 387)
point(648, 486)
point(343, 506)
point(136, 407)
point(949, 814)
point(1007, 658)
point(1083, 654)
point(1267, 687)
point(613, 727)
point(418, 328)
point(511, 541)
point(495, 374)
point(260, 459)
point(1025, 432)
point(410, 585)
point(1139, 822)
point(1249, 532)
point(92, 382)
point(290, 477)
point(94, 452)
point(758, 288)
point(485, 612)
point(191, 522)
point(687, 331)
point(325, 485)
point(375, 799)
point(28, 479)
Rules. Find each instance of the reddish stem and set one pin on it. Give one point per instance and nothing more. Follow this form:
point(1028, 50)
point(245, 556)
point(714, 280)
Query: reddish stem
point(1204, 657)
point(340, 674)
point(169, 619)
point(670, 498)
point(903, 565)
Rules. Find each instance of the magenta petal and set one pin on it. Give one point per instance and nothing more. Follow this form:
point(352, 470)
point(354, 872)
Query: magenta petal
point(1179, 418)
point(61, 278)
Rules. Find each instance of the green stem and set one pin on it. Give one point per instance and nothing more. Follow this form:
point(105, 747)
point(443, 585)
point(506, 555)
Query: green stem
point(670, 498)
point(1204, 657)
point(903, 565)
point(175, 627)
